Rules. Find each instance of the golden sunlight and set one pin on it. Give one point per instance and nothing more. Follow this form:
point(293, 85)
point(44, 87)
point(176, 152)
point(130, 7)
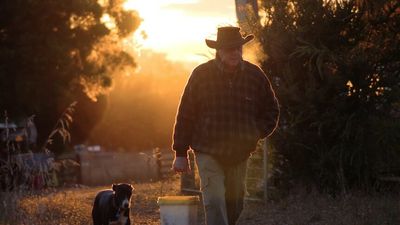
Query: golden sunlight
point(178, 27)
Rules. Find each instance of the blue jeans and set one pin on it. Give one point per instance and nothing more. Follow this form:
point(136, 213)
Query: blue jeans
point(223, 189)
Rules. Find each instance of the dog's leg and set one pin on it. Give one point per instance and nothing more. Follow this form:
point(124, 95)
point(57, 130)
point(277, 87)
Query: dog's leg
point(125, 217)
point(95, 212)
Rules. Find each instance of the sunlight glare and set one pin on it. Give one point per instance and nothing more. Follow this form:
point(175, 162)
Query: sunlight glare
point(177, 32)
point(108, 21)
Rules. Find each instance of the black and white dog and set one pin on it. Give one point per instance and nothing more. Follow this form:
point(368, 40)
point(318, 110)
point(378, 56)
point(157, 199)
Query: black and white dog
point(111, 207)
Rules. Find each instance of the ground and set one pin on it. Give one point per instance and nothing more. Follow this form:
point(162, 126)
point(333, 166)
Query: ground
point(72, 206)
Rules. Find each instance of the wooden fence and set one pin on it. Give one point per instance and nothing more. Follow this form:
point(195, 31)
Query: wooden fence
point(165, 163)
point(256, 180)
point(101, 168)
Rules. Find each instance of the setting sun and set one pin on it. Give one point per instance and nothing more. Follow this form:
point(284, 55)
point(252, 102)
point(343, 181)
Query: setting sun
point(178, 27)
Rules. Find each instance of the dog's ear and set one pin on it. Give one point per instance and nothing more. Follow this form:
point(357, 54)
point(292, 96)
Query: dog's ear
point(114, 187)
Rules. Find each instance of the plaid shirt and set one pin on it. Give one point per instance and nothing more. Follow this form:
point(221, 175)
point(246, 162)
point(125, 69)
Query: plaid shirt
point(225, 114)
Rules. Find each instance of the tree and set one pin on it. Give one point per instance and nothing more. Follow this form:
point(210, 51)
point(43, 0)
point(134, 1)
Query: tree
point(335, 67)
point(53, 51)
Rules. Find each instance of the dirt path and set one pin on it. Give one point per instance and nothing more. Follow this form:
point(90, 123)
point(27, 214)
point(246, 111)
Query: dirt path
point(72, 206)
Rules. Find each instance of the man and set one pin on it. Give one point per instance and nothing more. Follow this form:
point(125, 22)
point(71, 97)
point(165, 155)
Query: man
point(228, 105)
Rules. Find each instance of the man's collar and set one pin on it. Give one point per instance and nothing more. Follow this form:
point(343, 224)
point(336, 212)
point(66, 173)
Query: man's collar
point(221, 66)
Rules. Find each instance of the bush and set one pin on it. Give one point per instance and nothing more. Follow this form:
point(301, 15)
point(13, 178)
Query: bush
point(335, 68)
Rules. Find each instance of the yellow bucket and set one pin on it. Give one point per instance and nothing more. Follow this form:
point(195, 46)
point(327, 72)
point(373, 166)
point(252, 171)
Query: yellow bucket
point(178, 210)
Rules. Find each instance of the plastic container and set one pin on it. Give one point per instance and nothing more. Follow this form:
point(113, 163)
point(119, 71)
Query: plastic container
point(178, 210)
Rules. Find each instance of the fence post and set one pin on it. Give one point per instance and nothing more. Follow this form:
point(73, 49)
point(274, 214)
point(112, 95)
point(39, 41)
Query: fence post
point(189, 181)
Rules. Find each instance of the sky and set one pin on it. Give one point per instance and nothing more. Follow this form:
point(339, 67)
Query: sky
point(178, 28)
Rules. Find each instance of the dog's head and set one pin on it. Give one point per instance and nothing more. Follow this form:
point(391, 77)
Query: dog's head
point(123, 193)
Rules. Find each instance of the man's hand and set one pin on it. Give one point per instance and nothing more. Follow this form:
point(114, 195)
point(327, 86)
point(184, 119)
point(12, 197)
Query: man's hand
point(181, 165)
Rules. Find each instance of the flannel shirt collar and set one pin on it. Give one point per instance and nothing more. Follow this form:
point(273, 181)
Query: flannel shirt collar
point(221, 68)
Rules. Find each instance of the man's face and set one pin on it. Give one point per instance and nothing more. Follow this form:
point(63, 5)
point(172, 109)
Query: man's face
point(231, 56)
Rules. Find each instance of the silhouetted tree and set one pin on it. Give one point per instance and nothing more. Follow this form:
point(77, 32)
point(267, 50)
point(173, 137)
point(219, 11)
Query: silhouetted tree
point(51, 52)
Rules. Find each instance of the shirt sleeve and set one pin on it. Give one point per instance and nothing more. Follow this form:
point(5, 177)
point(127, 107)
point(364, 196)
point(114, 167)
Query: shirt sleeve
point(185, 118)
point(268, 115)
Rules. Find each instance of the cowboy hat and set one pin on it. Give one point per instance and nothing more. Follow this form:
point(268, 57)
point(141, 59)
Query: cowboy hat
point(228, 37)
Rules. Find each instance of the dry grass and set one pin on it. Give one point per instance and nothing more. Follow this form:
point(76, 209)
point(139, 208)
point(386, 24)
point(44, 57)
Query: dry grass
point(72, 206)
point(319, 209)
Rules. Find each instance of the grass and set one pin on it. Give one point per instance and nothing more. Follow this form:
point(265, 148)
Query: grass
point(321, 209)
point(72, 206)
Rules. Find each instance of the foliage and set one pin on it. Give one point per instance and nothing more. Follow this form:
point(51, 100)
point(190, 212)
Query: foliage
point(21, 170)
point(61, 127)
point(51, 52)
point(335, 68)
